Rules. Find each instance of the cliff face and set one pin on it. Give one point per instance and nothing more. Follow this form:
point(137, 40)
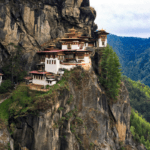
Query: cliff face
point(80, 117)
point(30, 24)
point(77, 118)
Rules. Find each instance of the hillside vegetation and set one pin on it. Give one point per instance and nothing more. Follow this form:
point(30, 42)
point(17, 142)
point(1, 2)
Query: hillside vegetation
point(139, 95)
point(25, 101)
point(134, 54)
point(140, 129)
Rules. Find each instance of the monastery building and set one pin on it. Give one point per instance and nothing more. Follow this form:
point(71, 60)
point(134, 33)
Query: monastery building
point(52, 61)
point(1, 78)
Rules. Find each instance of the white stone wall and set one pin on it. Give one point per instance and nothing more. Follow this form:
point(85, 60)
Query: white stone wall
point(74, 46)
point(52, 83)
point(100, 43)
point(68, 67)
point(86, 59)
point(79, 59)
point(64, 47)
point(39, 82)
point(52, 67)
point(0, 80)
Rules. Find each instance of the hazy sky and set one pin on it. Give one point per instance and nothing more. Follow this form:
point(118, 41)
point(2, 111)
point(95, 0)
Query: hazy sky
point(123, 18)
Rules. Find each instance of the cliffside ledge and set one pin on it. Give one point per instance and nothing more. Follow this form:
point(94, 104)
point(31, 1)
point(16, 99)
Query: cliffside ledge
point(78, 115)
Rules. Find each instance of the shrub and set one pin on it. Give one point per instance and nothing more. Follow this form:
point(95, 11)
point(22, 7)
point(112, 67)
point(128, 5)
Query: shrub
point(5, 86)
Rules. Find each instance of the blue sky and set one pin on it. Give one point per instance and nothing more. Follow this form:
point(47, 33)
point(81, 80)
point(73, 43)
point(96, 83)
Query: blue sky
point(123, 18)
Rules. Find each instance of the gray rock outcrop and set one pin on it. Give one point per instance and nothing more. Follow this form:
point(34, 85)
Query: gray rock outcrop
point(31, 24)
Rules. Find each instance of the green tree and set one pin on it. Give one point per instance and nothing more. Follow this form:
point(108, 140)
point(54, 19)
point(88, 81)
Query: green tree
point(5, 86)
point(132, 130)
point(13, 68)
point(110, 75)
point(142, 140)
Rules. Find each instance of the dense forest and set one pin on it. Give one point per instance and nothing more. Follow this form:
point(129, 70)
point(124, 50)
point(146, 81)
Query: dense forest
point(133, 54)
point(140, 129)
point(139, 95)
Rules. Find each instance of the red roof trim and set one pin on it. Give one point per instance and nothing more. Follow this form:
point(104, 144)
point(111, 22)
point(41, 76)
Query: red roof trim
point(28, 78)
point(36, 72)
point(52, 51)
point(65, 50)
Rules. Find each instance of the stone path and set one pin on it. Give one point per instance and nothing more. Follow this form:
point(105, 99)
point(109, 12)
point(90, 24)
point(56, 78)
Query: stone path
point(5, 99)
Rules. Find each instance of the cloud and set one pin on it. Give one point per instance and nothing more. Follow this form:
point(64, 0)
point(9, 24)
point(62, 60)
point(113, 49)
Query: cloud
point(129, 18)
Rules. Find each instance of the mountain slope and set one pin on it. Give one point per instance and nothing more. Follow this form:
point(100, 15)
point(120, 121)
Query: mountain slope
point(139, 95)
point(134, 54)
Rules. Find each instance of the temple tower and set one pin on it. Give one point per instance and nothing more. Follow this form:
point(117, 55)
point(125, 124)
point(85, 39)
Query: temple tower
point(1, 78)
point(101, 38)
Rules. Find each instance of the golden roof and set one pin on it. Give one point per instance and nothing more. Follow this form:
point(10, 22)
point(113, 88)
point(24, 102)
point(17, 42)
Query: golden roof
point(72, 29)
point(102, 29)
point(51, 45)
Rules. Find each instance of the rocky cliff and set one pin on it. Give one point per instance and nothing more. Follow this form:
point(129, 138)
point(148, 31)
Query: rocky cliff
point(78, 116)
point(35, 23)
point(81, 116)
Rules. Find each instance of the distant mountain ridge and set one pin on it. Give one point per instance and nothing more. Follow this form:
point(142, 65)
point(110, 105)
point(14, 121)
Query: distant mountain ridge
point(134, 55)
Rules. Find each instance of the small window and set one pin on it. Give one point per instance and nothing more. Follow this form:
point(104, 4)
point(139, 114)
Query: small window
point(52, 61)
point(103, 43)
point(69, 46)
point(47, 61)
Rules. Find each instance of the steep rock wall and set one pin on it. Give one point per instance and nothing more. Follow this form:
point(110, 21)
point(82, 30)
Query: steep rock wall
point(80, 118)
point(30, 24)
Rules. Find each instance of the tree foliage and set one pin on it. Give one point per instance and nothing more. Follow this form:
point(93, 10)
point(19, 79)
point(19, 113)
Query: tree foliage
point(139, 96)
point(5, 86)
point(110, 75)
point(134, 54)
point(14, 66)
point(140, 129)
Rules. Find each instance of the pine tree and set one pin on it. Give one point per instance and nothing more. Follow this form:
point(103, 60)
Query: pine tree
point(142, 140)
point(110, 75)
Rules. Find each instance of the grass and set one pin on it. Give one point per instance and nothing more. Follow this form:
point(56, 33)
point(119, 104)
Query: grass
point(25, 101)
point(19, 103)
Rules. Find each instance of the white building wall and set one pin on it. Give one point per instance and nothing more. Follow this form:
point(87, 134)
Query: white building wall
point(78, 58)
point(52, 83)
point(84, 47)
point(64, 47)
point(68, 67)
point(40, 82)
point(100, 43)
point(86, 59)
point(52, 67)
point(0, 80)
point(74, 47)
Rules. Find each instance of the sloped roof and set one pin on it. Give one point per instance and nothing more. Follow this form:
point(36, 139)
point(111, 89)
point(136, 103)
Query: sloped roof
point(37, 72)
point(27, 78)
